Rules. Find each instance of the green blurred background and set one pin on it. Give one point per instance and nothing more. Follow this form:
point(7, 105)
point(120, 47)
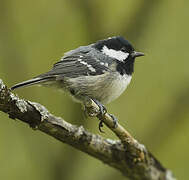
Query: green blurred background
point(35, 34)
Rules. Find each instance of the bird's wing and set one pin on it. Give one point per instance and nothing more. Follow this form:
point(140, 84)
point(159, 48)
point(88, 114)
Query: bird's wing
point(78, 64)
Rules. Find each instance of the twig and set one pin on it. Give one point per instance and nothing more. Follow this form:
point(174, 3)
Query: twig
point(126, 154)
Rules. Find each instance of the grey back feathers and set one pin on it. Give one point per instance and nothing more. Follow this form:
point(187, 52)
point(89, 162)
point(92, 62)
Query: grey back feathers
point(83, 61)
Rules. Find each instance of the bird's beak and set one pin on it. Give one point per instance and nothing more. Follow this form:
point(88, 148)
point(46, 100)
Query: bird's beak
point(137, 54)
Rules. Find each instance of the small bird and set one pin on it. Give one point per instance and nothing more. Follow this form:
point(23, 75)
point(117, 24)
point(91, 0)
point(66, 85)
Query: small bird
point(100, 71)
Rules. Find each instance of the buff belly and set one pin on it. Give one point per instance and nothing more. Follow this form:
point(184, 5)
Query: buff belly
point(104, 88)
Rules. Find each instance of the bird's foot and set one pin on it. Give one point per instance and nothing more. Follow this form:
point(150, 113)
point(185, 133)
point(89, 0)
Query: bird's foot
point(100, 125)
point(103, 111)
point(102, 108)
point(115, 120)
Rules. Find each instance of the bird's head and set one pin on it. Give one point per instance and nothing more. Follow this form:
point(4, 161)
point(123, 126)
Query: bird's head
point(118, 48)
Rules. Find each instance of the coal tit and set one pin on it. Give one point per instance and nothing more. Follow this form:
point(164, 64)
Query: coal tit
point(99, 71)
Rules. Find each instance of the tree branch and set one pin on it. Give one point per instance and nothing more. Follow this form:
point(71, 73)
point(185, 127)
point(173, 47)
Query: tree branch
point(126, 154)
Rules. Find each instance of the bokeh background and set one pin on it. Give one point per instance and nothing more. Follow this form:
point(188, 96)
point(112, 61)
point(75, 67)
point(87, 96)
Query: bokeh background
point(35, 34)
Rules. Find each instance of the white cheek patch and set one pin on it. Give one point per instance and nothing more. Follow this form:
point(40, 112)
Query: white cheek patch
point(119, 55)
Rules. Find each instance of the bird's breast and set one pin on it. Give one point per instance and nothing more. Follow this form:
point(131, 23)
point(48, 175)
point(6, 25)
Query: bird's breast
point(104, 88)
point(116, 86)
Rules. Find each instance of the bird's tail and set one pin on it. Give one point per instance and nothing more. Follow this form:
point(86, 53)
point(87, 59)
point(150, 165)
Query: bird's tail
point(37, 80)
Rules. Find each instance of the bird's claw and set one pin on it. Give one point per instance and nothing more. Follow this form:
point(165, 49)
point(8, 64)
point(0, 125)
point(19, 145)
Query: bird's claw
point(102, 108)
point(100, 125)
point(115, 120)
point(103, 111)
